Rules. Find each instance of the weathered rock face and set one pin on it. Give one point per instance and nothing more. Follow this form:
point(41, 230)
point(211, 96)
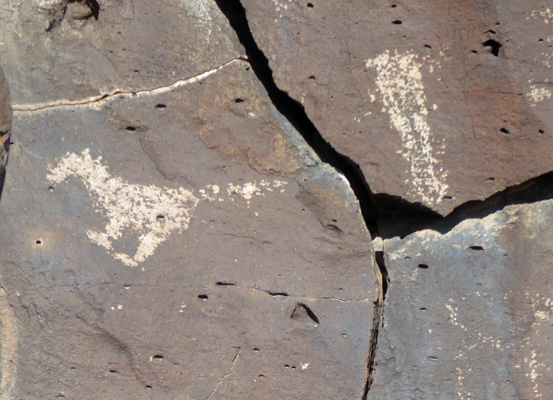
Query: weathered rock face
point(468, 313)
point(438, 102)
point(165, 232)
point(168, 232)
point(5, 125)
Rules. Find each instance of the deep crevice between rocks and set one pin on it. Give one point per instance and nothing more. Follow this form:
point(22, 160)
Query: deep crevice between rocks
point(385, 215)
point(295, 113)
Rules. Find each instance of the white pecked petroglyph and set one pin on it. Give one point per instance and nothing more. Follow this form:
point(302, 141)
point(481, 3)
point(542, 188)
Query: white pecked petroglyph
point(152, 212)
point(399, 81)
point(538, 94)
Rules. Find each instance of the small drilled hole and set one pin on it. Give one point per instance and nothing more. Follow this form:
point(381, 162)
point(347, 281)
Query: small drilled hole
point(476, 248)
point(38, 242)
point(130, 128)
point(397, 22)
point(309, 5)
point(256, 350)
point(540, 131)
point(423, 266)
point(158, 357)
point(312, 77)
point(238, 100)
point(148, 387)
point(394, 5)
point(160, 218)
point(505, 131)
point(203, 296)
point(161, 106)
point(50, 188)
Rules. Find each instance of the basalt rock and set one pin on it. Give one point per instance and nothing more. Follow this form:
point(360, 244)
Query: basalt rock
point(468, 313)
point(165, 232)
point(439, 103)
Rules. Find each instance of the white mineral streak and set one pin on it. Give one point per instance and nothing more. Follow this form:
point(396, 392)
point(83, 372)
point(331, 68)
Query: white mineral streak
point(151, 212)
point(399, 81)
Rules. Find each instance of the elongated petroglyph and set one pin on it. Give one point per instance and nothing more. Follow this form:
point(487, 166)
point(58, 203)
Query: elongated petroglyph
point(399, 81)
point(151, 212)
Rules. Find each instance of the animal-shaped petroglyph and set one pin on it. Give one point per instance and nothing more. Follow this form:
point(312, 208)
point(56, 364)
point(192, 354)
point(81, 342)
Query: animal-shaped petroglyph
point(152, 212)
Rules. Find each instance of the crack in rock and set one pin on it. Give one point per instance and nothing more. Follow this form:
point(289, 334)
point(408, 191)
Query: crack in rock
point(101, 99)
point(234, 361)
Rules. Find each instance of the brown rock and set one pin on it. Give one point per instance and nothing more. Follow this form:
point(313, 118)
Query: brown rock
point(439, 103)
point(177, 239)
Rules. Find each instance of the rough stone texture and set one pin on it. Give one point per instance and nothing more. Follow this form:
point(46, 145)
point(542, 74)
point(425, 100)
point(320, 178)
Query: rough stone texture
point(54, 52)
point(468, 314)
point(167, 234)
point(412, 92)
point(5, 125)
point(176, 240)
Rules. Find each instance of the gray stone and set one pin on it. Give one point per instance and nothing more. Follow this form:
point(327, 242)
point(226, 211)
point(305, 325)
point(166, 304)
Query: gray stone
point(176, 239)
point(468, 313)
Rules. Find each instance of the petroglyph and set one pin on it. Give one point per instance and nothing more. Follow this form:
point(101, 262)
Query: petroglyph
point(399, 81)
point(152, 212)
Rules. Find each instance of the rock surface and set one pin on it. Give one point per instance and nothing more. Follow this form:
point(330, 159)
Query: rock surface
point(468, 314)
point(169, 230)
point(165, 232)
point(439, 103)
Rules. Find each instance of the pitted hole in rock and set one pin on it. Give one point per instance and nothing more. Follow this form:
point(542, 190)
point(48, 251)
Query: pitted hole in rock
point(160, 218)
point(225, 284)
point(148, 387)
point(160, 106)
point(38, 242)
point(238, 100)
point(282, 294)
point(309, 5)
point(50, 188)
point(256, 350)
point(312, 77)
point(493, 45)
point(203, 297)
point(541, 131)
point(304, 314)
point(157, 357)
point(393, 5)
point(131, 128)
point(427, 46)
point(397, 22)
point(423, 266)
point(112, 371)
point(491, 178)
point(476, 248)
point(422, 308)
point(286, 366)
point(505, 131)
